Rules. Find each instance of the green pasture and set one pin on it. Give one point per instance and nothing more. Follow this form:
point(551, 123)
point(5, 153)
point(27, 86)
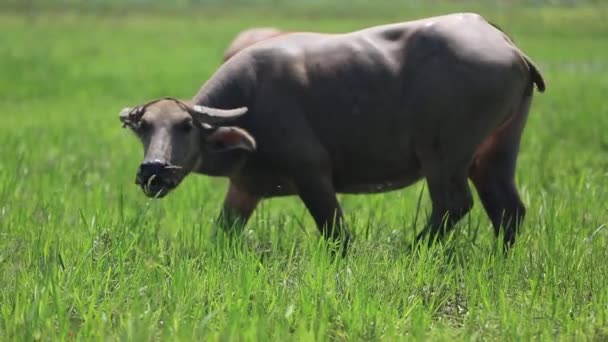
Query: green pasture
point(84, 255)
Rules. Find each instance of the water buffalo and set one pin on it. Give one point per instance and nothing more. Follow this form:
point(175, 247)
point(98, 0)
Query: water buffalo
point(443, 98)
point(249, 37)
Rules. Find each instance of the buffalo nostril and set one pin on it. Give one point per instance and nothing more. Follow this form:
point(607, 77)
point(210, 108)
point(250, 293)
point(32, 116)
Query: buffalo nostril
point(153, 161)
point(148, 169)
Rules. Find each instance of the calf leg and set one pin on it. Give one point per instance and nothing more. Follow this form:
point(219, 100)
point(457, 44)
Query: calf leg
point(238, 207)
point(451, 198)
point(319, 197)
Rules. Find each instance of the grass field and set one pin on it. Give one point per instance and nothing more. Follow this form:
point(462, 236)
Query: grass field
point(84, 255)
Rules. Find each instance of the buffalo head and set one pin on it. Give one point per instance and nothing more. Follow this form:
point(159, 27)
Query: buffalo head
point(179, 138)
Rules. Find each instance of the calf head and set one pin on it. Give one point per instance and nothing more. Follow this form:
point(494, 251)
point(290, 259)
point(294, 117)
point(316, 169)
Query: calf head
point(179, 138)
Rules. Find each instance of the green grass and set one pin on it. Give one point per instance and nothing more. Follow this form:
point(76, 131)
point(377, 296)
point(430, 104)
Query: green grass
point(84, 255)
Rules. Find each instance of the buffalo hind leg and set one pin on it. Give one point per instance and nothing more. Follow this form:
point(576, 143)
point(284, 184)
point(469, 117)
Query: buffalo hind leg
point(318, 194)
point(451, 199)
point(238, 207)
point(503, 205)
point(493, 173)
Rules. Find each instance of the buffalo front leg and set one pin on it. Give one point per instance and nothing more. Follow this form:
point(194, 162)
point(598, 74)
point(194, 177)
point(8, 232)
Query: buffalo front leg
point(451, 199)
point(318, 194)
point(238, 207)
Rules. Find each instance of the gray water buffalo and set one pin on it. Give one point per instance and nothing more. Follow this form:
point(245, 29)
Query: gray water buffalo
point(249, 37)
point(443, 99)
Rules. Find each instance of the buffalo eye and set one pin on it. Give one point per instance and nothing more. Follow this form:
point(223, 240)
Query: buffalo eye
point(143, 127)
point(185, 126)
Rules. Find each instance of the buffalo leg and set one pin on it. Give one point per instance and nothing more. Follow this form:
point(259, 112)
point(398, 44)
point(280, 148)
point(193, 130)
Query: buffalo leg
point(320, 199)
point(451, 199)
point(238, 207)
point(503, 205)
point(493, 174)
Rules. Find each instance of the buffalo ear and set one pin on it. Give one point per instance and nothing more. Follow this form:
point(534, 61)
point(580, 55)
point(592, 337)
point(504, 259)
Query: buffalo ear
point(225, 139)
point(129, 116)
point(125, 115)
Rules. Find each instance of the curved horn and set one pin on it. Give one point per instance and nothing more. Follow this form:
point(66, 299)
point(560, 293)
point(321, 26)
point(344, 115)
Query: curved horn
point(215, 115)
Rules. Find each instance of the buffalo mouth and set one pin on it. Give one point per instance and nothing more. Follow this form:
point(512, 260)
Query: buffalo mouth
point(157, 186)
